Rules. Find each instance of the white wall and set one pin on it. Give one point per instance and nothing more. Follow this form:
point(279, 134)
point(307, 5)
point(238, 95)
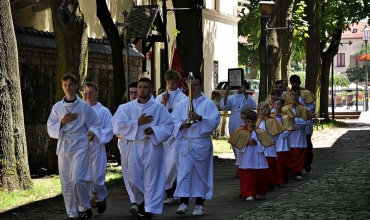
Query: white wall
point(220, 33)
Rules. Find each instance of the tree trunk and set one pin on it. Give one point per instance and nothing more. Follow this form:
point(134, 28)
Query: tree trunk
point(14, 170)
point(190, 40)
point(263, 63)
point(327, 59)
point(313, 63)
point(117, 46)
point(72, 51)
point(279, 46)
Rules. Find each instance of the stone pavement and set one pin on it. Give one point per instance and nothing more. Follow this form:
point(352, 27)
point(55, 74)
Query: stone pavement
point(337, 188)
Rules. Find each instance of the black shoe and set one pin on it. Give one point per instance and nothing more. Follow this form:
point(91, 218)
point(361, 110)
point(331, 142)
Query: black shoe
point(286, 180)
point(102, 206)
point(83, 215)
point(89, 213)
point(148, 216)
point(71, 218)
point(140, 216)
point(308, 169)
point(271, 186)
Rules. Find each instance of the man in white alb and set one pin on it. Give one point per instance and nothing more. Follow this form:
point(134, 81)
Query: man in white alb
point(171, 150)
point(145, 124)
point(195, 169)
point(99, 154)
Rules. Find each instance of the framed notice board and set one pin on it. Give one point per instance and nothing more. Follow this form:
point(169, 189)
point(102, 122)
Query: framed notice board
point(235, 77)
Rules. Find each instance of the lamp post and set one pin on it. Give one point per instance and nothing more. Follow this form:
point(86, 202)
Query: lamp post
point(365, 37)
point(266, 11)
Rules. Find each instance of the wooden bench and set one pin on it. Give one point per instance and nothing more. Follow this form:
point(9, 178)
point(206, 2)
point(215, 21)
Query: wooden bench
point(317, 120)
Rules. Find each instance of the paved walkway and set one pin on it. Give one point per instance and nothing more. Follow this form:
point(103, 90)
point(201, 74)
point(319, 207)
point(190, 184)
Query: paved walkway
point(337, 188)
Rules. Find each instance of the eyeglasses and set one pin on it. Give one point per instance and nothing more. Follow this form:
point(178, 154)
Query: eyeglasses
point(133, 92)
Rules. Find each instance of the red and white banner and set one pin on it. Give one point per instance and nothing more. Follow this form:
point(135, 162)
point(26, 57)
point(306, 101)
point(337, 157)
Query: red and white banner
point(176, 65)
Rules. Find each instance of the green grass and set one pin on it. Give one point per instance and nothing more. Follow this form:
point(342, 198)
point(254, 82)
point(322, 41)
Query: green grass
point(221, 146)
point(43, 188)
point(333, 124)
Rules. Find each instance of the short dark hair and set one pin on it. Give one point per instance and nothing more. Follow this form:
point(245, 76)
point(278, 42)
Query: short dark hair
point(161, 89)
point(69, 77)
point(294, 79)
point(172, 75)
point(281, 100)
point(245, 110)
point(275, 93)
point(91, 84)
point(245, 83)
point(133, 85)
point(147, 80)
point(251, 115)
point(278, 82)
point(296, 89)
point(199, 78)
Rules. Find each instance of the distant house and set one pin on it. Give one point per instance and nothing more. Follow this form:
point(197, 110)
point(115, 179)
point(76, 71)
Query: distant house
point(342, 60)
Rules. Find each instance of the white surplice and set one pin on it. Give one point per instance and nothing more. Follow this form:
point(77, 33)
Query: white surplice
point(252, 157)
point(298, 139)
point(99, 154)
point(171, 149)
point(74, 155)
point(195, 169)
point(146, 166)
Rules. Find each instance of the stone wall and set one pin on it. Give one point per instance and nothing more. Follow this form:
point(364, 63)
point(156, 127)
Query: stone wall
point(38, 84)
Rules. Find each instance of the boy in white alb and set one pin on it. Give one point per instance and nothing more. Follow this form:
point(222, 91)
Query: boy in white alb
point(251, 143)
point(282, 145)
point(195, 169)
point(74, 123)
point(171, 147)
point(298, 138)
point(124, 150)
point(99, 154)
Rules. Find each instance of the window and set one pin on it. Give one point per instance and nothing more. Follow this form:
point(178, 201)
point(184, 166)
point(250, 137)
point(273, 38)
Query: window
point(215, 73)
point(341, 59)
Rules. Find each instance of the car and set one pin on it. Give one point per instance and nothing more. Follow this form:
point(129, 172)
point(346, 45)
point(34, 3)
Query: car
point(219, 91)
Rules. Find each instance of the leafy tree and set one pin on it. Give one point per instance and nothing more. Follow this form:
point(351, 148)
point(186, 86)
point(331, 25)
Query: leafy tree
point(14, 169)
point(340, 80)
point(248, 27)
point(351, 74)
point(333, 17)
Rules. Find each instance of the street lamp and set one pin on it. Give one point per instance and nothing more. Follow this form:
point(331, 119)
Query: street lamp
point(365, 37)
point(266, 11)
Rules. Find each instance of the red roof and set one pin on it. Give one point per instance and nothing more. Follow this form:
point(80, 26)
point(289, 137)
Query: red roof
point(355, 31)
